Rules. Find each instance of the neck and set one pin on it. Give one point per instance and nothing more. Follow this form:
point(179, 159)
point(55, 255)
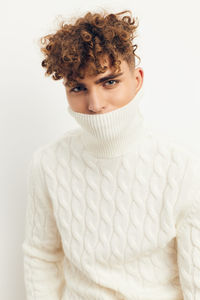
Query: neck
point(113, 133)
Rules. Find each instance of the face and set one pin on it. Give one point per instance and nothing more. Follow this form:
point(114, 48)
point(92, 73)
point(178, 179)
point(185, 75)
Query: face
point(106, 91)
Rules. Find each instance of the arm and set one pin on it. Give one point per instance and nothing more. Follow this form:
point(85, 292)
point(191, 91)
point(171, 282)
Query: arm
point(42, 245)
point(188, 233)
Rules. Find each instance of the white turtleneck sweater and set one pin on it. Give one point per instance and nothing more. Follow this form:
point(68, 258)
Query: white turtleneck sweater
point(113, 213)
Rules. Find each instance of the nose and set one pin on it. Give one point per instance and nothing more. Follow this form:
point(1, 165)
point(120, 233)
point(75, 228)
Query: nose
point(96, 102)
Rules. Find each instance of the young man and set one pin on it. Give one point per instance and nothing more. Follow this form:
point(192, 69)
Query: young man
point(113, 209)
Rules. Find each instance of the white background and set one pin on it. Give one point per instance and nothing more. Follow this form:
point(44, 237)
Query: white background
point(33, 107)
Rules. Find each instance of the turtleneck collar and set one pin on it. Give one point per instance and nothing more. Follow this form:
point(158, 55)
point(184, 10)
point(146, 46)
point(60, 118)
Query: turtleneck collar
point(113, 133)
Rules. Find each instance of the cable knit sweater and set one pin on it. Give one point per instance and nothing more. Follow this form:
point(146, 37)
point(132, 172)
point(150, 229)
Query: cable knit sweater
point(113, 213)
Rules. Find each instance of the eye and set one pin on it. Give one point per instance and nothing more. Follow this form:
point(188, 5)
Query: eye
point(76, 89)
point(111, 82)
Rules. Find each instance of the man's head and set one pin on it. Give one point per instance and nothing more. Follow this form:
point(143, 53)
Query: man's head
point(104, 92)
point(80, 53)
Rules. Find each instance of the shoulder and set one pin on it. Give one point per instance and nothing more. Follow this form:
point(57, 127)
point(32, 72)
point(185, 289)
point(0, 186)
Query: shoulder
point(178, 150)
point(183, 163)
point(50, 153)
point(182, 155)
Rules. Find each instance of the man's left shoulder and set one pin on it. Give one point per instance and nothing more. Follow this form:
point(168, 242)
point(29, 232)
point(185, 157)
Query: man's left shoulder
point(179, 150)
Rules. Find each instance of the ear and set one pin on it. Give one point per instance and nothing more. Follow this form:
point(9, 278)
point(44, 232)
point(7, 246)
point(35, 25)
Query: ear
point(139, 77)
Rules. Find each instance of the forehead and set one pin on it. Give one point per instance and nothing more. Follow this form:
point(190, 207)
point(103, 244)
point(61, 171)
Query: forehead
point(104, 62)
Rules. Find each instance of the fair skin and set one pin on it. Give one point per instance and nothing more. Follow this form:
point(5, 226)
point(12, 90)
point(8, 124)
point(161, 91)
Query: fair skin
point(90, 97)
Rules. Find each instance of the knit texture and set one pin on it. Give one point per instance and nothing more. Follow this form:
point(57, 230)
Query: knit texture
point(116, 224)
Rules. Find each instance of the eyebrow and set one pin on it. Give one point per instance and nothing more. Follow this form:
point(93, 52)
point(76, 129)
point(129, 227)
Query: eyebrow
point(105, 78)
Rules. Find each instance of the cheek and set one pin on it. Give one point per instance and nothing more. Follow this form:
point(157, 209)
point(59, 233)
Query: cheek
point(76, 105)
point(72, 103)
point(122, 95)
point(129, 88)
point(123, 90)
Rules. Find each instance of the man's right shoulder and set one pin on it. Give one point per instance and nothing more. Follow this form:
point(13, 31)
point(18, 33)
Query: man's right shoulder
point(58, 146)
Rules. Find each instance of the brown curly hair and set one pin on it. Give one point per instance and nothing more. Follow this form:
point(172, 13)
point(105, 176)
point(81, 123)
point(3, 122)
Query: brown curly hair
point(73, 47)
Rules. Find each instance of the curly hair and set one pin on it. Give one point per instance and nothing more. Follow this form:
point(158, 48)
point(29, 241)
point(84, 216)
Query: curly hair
point(73, 47)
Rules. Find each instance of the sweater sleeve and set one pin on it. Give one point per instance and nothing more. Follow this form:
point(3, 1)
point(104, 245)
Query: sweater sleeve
point(188, 232)
point(42, 247)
